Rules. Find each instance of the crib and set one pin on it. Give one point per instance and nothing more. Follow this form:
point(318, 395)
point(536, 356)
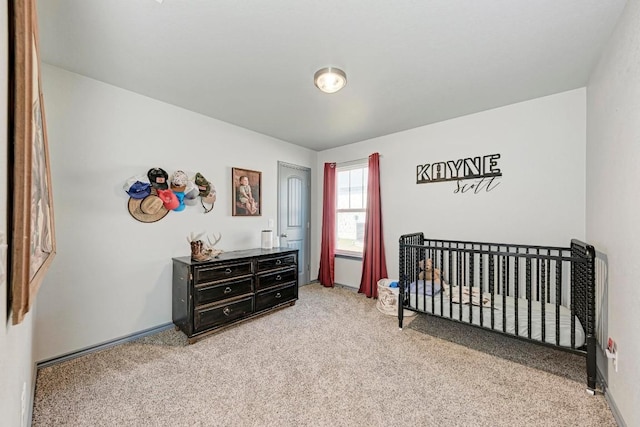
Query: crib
point(540, 294)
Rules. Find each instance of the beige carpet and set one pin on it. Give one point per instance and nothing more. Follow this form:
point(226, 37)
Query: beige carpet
point(538, 357)
point(331, 360)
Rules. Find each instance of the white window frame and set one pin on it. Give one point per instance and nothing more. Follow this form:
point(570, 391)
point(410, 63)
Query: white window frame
point(344, 167)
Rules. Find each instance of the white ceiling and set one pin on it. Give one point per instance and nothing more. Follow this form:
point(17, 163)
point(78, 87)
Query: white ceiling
point(408, 62)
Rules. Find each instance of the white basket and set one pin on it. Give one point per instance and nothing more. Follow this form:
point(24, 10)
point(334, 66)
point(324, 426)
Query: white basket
point(388, 299)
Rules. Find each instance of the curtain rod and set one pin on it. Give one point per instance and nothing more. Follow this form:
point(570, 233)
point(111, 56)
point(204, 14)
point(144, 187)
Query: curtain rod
point(354, 162)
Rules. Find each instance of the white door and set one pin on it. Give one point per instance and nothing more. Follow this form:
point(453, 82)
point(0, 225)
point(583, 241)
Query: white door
point(294, 206)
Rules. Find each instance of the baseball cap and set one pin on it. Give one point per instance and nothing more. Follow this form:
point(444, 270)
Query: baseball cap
point(179, 181)
point(158, 178)
point(191, 194)
point(203, 185)
point(169, 199)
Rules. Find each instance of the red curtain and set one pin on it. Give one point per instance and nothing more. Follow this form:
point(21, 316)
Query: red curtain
point(374, 264)
point(328, 247)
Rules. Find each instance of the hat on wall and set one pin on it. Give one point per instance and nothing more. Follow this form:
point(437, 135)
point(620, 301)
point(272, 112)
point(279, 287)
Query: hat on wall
point(158, 178)
point(180, 197)
point(210, 198)
point(203, 185)
point(179, 181)
point(149, 209)
point(137, 187)
point(169, 199)
point(191, 194)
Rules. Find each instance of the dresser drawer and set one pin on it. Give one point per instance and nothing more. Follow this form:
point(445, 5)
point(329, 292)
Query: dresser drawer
point(277, 296)
point(222, 272)
point(220, 314)
point(266, 264)
point(276, 278)
point(205, 294)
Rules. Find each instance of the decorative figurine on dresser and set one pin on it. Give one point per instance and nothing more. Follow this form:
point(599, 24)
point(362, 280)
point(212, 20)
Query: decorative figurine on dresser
point(210, 293)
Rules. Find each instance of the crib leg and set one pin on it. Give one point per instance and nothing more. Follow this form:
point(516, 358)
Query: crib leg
point(591, 363)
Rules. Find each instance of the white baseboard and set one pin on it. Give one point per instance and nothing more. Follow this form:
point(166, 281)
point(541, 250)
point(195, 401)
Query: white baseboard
point(612, 404)
point(614, 409)
point(348, 287)
point(103, 346)
point(34, 376)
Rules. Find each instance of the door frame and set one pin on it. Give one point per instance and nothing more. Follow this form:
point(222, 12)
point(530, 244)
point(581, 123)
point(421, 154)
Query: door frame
point(307, 245)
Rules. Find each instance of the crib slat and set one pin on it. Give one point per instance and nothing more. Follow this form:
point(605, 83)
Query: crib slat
point(471, 276)
point(543, 299)
point(504, 294)
point(460, 283)
point(505, 272)
point(441, 266)
point(481, 256)
point(537, 275)
point(516, 291)
point(549, 281)
point(423, 256)
point(558, 299)
point(528, 283)
point(450, 283)
point(434, 265)
point(491, 290)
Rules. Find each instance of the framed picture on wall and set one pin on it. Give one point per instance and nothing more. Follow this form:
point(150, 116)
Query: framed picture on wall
point(247, 192)
point(32, 244)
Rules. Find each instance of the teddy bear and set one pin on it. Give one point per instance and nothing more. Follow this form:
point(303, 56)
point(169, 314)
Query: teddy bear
point(430, 273)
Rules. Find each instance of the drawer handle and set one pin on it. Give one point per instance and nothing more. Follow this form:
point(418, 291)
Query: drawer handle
point(278, 295)
point(278, 262)
point(228, 271)
point(278, 277)
point(226, 311)
point(227, 290)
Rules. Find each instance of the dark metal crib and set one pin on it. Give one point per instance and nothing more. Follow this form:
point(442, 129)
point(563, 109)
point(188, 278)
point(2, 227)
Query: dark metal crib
point(540, 294)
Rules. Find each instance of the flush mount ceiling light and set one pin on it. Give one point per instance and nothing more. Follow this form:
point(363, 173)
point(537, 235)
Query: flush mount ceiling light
point(330, 80)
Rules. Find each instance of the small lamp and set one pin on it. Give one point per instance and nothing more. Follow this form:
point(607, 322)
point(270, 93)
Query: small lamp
point(330, 80)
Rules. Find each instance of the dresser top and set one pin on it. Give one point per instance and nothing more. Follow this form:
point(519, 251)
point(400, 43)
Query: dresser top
point(233, 255)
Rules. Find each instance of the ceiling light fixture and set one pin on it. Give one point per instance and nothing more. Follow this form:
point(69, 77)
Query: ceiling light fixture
point(330, 80)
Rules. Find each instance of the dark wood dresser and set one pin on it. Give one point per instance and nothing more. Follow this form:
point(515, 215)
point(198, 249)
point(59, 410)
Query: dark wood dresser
point(236, 286)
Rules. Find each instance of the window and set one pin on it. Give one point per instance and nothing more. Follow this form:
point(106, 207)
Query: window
point(351, 211)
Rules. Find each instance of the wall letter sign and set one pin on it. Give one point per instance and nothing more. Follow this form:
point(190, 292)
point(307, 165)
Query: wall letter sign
point(483, 169)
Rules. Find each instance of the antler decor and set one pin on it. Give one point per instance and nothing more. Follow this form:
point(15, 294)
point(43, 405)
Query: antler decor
point(210, 249)
point(194, 237)
point(201, 251)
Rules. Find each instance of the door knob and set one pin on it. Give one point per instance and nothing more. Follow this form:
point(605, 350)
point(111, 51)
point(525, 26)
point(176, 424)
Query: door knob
point(284, 235)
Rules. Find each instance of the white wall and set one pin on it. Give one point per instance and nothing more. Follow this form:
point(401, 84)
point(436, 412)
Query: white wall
point(16, 360)
point(112, 274)
point(613, 198)
point(540, 198)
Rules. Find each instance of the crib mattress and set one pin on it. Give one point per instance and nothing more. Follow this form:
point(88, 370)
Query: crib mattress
point(424, 304)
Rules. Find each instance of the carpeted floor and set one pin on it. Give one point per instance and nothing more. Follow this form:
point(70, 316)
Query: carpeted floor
point(331, 360)
point(547, 359)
